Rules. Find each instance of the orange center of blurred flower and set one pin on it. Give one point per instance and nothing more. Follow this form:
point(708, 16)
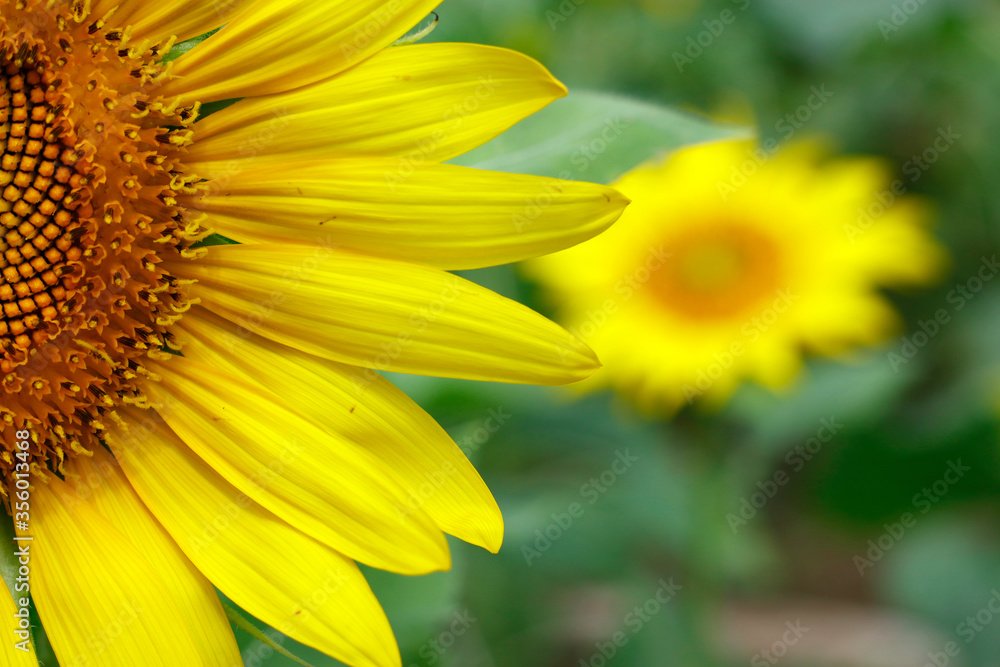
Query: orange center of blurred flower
point(718, 271)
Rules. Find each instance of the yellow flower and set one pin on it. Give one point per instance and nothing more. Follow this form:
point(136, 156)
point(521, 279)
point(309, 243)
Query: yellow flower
point(190, 416)
point(731, 261)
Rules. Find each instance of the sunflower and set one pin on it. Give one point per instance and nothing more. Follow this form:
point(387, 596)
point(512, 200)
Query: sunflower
point(732, 261)
point(182, 415)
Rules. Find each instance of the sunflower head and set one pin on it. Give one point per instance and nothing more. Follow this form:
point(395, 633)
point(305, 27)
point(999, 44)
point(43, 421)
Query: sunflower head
point(731, 261)
point(89, 177)
point(213, 415)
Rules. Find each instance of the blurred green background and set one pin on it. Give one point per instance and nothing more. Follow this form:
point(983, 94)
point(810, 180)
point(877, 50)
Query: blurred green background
point(645, 544)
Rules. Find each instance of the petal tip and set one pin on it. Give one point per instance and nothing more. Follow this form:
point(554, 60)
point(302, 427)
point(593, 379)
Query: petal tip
point(560, 88)
point(431, 560)
point(581, 362)
point(491, 535)
point(494, 545)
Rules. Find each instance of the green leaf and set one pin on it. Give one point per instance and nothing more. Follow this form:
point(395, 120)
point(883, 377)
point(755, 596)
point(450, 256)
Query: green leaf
point(594, 137)
point(8, 561)
point(419, 608)
point(9, 567)
point(243, 623)
point(857, 392)
point(214, 240)
point(183, 47)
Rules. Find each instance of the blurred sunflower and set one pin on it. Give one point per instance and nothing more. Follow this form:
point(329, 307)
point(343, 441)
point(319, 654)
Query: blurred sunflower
point(731, 261)
point(253, 448)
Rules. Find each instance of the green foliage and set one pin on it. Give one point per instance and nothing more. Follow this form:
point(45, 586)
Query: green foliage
point(183, 47)
point(591, 136)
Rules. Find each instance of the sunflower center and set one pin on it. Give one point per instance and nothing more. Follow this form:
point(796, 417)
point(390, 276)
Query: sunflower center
point(89, 178)
point(40, 234)
point(719, 271)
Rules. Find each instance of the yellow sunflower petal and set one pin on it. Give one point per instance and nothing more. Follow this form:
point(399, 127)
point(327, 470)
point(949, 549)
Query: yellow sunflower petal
point(99, 597)
point(325, 488)
point(10, 654)
point(158, 21)
point(274, 45)
point(101, 482)
point(283, 577)
point(364, 410)
point(447, 216)
point(384, 314)
point(438, 110)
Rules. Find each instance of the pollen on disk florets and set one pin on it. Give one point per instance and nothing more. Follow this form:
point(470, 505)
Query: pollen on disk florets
point(89, 174)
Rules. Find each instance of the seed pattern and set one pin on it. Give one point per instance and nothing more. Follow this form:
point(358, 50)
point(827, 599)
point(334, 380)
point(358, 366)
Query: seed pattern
point(40, 243)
